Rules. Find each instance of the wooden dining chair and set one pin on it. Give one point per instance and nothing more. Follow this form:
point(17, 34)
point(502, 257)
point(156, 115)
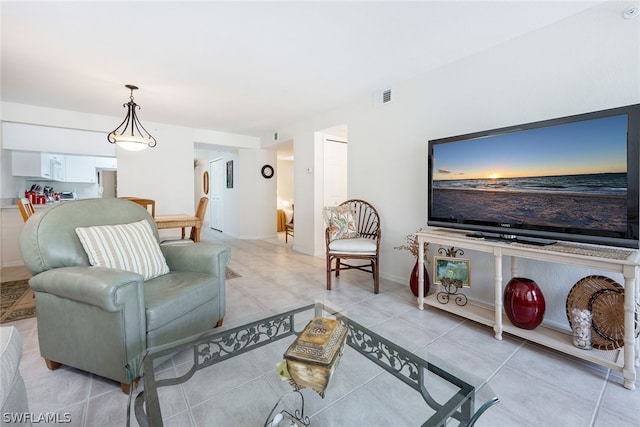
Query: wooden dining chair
point(200, 211)
point(148, 204)
point(26, 208)
point(194, 236)
point(288, 228)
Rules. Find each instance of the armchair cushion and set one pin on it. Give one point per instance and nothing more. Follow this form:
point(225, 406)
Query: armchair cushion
point(353, 246)
point(130, 247)
point(173, 295)
point(340, 222)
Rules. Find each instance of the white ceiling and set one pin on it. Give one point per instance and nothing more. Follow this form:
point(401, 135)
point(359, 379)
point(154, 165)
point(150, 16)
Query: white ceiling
point(242, 67)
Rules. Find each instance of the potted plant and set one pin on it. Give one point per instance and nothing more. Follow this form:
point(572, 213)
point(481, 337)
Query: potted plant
point(411, 245)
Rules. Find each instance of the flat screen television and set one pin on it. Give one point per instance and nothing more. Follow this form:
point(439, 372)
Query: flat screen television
point(572, 178)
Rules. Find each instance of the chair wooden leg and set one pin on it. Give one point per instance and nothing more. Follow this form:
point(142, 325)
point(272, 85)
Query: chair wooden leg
point(126, 387)
point(328, 273)
point(195, 234)
point(337, 267)
point(376, 277)
point(52, 365)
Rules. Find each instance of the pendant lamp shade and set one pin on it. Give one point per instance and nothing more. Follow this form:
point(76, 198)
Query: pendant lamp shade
point(131, 135)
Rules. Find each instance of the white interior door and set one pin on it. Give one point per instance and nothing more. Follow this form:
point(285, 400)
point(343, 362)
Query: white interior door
point(217, 178)
point(335, 172)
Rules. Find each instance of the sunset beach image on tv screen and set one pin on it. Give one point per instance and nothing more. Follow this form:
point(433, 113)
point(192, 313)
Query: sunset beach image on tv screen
point(570, 176)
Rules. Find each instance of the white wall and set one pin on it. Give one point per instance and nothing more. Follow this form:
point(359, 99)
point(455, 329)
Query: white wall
point(164, 173)
point(257, 213)
point(585, 63)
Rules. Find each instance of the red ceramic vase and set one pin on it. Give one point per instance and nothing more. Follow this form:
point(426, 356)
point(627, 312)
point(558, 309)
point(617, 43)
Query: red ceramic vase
point(524, 303)
point(414, 279)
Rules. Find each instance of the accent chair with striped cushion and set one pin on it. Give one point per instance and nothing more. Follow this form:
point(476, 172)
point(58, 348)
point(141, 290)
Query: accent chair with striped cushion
point(106, 291)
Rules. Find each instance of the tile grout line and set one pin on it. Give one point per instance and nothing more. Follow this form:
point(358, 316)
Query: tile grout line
point(596, 412)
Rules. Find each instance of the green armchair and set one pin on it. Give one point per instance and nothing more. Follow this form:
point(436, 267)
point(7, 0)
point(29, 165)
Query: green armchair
point(102, 320)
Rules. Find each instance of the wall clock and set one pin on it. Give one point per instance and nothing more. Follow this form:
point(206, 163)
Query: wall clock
point(267, 171)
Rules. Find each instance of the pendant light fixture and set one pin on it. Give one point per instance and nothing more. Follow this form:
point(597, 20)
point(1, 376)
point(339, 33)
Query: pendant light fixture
point(131, 135)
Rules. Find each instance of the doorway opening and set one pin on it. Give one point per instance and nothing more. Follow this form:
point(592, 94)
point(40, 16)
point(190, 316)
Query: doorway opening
point(285, 192)
point(108, 181)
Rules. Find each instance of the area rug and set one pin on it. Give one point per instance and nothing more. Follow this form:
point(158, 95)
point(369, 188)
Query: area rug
point(17, 301)
point(230, 274)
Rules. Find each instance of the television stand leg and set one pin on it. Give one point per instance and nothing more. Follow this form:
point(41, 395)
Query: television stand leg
point(497, 266)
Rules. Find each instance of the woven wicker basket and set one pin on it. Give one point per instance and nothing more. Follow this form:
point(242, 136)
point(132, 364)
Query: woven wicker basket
point(605, 299)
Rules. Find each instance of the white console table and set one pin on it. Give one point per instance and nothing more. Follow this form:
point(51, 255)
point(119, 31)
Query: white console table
point(618, 260)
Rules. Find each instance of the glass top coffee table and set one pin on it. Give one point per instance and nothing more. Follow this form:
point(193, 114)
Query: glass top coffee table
point(228, 377)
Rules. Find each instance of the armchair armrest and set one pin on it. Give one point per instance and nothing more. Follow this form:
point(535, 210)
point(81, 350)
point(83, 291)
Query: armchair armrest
point(106, 288)
point(203, 258)
point(91, 318)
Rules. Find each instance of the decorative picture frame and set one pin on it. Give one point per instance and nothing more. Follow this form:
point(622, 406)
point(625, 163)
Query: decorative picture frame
point(452, 271)
point(230, 174)
point(205, 182)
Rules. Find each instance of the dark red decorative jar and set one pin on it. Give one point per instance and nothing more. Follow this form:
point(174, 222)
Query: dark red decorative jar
point(414, 279)
point(524, 303)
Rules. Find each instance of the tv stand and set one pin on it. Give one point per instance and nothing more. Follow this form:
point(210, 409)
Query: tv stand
point(617, 260)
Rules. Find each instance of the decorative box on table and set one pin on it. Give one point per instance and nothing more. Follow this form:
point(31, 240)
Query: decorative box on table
point(314, 355)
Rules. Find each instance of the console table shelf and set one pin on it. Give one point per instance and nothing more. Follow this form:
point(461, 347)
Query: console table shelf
point(617, 260)
point(543, 335)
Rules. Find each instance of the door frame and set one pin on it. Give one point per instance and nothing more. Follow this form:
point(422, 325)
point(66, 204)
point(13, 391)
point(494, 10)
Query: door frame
point(217, 181)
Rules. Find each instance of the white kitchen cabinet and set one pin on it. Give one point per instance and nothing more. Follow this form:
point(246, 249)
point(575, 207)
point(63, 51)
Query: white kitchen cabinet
point(54, 167)
point(30, 164)
point(37, 138)
point(80, 169)
point(38, 165)
point(110, 163)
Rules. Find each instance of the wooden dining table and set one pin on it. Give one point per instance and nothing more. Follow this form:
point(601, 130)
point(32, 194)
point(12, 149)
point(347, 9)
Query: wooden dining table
point(180, 221)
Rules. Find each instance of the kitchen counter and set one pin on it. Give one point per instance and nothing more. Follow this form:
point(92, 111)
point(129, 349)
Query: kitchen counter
point(11, 224)
point(8, 203)
point(11, 203)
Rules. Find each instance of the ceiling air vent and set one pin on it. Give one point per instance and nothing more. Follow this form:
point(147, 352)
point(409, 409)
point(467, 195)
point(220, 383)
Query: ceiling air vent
point(382, 97)
point(386, 96)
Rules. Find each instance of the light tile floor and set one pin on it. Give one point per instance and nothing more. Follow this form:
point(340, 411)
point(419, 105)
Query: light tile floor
point(536, 386)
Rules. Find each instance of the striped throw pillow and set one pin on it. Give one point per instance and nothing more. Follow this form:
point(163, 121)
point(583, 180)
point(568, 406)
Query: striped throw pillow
point(130, 247)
